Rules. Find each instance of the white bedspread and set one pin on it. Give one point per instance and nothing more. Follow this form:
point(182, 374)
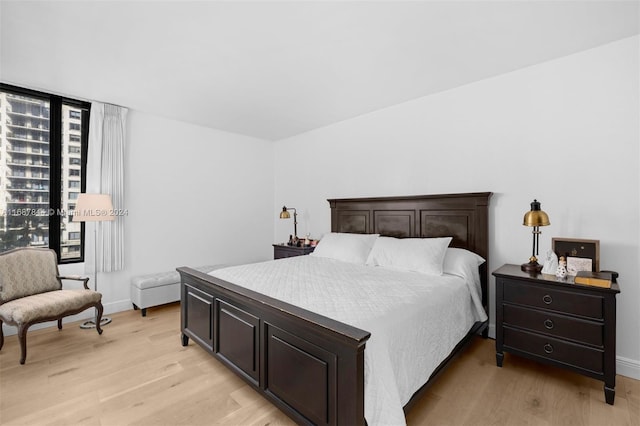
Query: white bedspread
point(415, 320)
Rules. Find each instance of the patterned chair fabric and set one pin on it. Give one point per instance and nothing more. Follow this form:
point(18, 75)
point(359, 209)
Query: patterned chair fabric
point(31, 292)
point(27, 272)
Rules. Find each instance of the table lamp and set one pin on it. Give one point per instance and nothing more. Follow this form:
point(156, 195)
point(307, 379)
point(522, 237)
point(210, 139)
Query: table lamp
point(284, 214)
point(534, 218)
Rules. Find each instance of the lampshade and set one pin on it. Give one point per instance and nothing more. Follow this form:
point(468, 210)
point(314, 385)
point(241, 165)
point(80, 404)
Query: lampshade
point(536, 217)
point(93, 208)
point(284, 214)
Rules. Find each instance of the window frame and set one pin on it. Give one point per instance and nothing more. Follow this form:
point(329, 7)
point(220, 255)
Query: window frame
point(56, 103)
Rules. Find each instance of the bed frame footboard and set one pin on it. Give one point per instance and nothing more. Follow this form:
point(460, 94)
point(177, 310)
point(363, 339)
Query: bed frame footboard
point(310, 366)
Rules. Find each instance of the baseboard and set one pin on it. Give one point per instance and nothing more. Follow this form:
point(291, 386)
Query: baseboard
point(109, 308)
point(628, 367)
point(492, 331)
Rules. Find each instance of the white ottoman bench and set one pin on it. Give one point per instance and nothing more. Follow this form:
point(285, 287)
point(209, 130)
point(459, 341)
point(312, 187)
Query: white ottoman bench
point(159, 288)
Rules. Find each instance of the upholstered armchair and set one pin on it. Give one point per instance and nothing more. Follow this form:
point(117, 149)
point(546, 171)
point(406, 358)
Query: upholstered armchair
point(31, 292)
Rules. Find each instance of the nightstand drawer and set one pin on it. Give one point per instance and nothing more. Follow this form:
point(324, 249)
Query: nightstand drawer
point(557, 300)
point(281, 251)
point(286, 253)
point(554, 349)
point(561, 326)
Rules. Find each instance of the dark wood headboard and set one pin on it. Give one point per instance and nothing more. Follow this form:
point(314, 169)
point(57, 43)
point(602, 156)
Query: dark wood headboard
point(465, 217)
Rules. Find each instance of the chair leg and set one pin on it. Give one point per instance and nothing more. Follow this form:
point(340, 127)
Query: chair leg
point(99, 308)
point(22, 337)
point(59, 323)
point(1, 336)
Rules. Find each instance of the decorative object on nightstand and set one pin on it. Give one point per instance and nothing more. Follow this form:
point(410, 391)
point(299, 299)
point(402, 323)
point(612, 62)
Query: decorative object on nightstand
point(94, 208)
point(534, 218)
point(284, 250)
point(580, 254)
point(551, 263)
point(284, 214)
point(561, 270)
point(598, 279)
point(559, 323)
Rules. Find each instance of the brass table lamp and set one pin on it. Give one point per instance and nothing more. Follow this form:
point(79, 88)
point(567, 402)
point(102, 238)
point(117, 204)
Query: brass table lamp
point(534, 218)
point(284, 214)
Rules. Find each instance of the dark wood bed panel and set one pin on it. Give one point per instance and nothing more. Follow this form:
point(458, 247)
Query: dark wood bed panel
point(465, 217)
point(310, 366)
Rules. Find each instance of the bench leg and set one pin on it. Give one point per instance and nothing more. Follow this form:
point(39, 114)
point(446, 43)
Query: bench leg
point(143, 311)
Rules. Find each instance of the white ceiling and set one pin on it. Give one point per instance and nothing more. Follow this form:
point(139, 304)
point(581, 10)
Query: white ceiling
point(275, 69)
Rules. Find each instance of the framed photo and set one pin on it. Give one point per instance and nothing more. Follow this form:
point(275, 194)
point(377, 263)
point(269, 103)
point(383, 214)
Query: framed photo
point(579, 254)
point(575, 264)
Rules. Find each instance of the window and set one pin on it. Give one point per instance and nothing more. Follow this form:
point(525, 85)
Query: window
point(71, 208)
point(34, 197)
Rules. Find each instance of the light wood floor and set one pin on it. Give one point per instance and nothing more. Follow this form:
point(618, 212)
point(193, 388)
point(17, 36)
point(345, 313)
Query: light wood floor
point(138, 373)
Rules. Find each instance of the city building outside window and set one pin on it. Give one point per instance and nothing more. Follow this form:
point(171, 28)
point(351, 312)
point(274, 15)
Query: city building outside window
point(42, 137)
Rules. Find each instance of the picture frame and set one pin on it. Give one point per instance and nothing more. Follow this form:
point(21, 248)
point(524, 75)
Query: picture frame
point(576, 264)
point(580, 249)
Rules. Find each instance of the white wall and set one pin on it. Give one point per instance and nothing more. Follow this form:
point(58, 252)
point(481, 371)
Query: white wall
point(565, 132)
point(195, 196)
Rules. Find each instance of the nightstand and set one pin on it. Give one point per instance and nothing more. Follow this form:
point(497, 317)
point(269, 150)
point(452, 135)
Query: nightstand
point(557, 322)
point(283, 250)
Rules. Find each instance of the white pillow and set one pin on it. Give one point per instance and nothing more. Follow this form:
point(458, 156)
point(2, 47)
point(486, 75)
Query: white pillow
point(346, 247)
point(463, 263)
point(424, 255)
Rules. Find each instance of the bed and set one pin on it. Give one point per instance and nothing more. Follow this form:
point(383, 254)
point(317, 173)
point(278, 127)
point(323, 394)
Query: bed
point(310, 365)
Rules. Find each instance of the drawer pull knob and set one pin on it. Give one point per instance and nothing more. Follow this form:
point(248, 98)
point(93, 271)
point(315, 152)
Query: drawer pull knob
point(548, 324)
point(547, 299)
point(548, 348)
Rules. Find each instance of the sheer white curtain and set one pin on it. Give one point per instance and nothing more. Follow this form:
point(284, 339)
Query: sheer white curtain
point(105, 175)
